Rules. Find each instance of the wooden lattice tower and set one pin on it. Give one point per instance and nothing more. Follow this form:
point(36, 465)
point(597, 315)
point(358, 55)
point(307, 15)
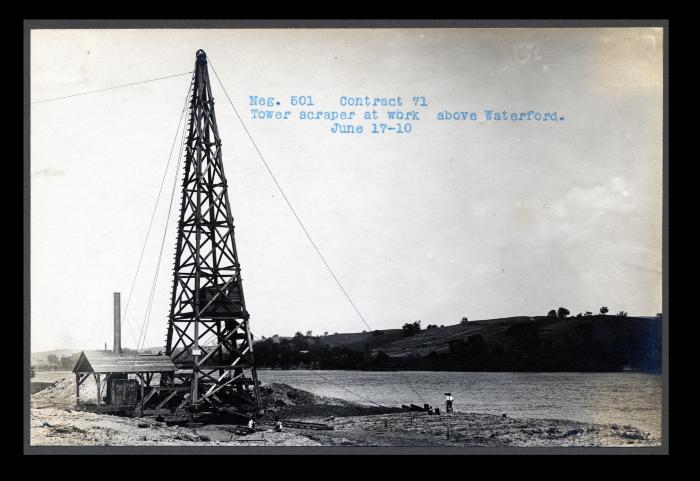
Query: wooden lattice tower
point(209, 337)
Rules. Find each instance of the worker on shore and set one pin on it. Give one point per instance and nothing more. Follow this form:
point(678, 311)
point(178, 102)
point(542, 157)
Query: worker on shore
point(251, 425)
point(278, 424)
point(448, 402)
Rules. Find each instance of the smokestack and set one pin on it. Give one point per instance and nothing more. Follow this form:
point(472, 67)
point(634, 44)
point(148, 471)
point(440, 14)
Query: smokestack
point(117, 324)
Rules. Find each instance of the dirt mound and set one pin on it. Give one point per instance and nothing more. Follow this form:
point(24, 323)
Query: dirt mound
point(286, 401)
point(62, 393)
point(281, 395)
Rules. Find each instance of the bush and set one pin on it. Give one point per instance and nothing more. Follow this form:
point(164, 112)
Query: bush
point(409, 329)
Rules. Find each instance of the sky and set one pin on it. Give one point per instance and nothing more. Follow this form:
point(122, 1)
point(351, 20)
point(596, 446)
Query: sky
point(456, 219)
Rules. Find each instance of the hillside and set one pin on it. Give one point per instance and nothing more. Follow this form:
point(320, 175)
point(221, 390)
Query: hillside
point(361, 340)
point(587, 343)
point(540, 343)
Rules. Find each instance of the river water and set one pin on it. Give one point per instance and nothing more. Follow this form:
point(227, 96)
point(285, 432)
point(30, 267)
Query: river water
point(626, 398)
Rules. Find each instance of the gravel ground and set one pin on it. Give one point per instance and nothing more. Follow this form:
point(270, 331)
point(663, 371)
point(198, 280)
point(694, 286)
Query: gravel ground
point(54, 423)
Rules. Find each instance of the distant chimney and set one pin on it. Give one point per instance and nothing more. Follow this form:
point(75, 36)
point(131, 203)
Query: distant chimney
point(117, 324)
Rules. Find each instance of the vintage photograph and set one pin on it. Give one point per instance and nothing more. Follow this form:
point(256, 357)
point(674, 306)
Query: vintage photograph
point(329, 238)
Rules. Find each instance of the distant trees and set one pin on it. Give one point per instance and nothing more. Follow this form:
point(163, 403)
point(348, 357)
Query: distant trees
point(377, 333)
point(300, 342)
point(325, 333)
point(411, 328)
point(562, 312)
point(52, 358)
point(32, 372)
point(67, 362)
point(431, 326)
point(464, 320)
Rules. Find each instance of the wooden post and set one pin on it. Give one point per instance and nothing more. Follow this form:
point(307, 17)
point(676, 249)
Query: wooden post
point(77, 389)
point(99, 389)
point(141, 384)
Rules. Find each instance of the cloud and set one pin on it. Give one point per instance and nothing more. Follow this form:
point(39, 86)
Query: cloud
point(614, 196)
point(585, 209)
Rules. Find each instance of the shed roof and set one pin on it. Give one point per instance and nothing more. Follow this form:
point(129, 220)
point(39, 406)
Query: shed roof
point(107, 361)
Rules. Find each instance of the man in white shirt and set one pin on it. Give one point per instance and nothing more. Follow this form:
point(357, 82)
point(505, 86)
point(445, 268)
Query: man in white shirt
point(448, 402)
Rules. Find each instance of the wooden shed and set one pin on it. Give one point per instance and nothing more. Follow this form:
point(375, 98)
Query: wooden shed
point(124, 376)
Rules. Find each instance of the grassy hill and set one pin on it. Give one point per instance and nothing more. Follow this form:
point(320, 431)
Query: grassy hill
point(595, 343)
point(42, 357)
point(360, 340)
point(587, 343)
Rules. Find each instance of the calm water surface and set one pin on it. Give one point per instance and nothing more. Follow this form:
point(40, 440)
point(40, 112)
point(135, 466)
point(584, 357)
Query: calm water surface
point(621, 398)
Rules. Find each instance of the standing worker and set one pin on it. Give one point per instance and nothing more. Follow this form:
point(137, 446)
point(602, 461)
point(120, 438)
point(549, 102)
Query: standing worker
point(251, 425)
point(278, 425)
point(448, 402)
